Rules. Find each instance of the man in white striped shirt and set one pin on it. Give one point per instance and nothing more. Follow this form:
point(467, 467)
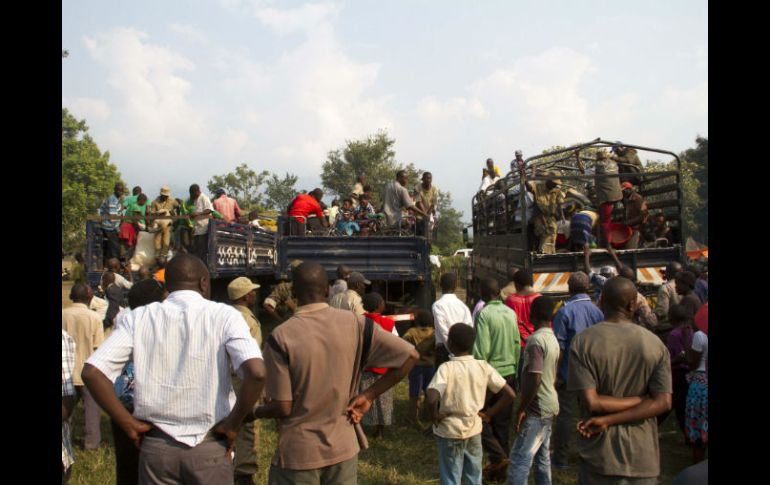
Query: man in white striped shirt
point(186, 415)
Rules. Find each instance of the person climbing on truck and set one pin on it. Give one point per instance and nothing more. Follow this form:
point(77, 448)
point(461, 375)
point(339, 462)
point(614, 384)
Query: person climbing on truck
point(549, 199)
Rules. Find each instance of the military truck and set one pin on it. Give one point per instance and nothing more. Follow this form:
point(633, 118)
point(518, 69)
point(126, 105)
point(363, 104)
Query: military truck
point(502, 229)
point(233, 250)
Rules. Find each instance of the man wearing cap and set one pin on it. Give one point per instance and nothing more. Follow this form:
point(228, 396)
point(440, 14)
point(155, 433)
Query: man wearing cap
point(243, 295)
point(548, 198)
point(164, 205)
point(351, 299)
point(519, 164)
point(607, 191)
point(226, 206)
point(635, 213)
point(280, 303)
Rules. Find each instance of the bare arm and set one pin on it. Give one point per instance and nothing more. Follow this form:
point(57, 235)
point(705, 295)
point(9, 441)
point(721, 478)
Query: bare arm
point(650, 407)
point(103, 392)
point(273, 409)
point(360, 404)
point(601, 404)
point(614, 256)
point(67, 405)
point(433, 398)
point(587, 259)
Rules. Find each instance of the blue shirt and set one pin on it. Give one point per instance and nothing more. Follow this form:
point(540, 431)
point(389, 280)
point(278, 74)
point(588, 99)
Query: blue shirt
point(111, 206)
point(577, 314)
point(702, 290)
point(598, 281)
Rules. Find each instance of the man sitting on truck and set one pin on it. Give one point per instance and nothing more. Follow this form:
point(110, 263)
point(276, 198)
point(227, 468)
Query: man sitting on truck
point(301, 209)
point(397, 199)
point(227, 206)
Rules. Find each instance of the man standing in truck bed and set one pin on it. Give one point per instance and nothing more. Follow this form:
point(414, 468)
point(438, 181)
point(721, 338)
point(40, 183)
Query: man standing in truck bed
point(397, 198)
point(549, 198)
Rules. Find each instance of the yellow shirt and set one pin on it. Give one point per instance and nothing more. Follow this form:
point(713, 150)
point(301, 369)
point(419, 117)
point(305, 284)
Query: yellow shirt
point(348, 300)
point(254, 326)
point(85, 328)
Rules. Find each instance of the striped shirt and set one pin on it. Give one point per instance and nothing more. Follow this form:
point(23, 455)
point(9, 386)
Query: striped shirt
point(67, 389)
point(182, 349)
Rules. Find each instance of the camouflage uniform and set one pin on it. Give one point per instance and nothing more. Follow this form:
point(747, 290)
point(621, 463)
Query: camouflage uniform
point(247, 440)
point(280, 297)
point(163, 236)
point(629, 165)
point(549, 202)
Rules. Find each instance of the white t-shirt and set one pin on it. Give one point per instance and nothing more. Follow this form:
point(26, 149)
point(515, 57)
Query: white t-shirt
point(487, 181)
point(447, 311)
point(202, 203)
point(700, 343)
point(463, 383)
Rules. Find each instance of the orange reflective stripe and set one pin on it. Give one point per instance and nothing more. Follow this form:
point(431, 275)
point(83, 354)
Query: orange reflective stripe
point(646, 274)
point(548, 279)
point(563, 279)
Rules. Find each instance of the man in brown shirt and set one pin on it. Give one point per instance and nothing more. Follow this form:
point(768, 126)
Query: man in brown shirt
point(314, 361)
point(635, 213)
point(85, 327)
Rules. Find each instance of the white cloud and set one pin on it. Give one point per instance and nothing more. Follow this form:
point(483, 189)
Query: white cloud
point(455, 108)
point(189, 33)
point(234, 141)
point(90, 109)
point(155, 103)
point(306, 17)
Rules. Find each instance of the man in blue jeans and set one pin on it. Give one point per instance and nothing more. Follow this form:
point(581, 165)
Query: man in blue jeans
point(455, 396)
point(539, 403)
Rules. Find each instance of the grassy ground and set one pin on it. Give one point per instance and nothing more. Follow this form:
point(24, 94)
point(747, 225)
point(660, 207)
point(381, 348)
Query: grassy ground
point(405, 457)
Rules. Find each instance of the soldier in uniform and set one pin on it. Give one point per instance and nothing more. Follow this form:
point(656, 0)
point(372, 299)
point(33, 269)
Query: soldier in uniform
point(607, 193)
point(280, 304)
point(549, 199)
point(629, 164)
point(242, 294)
point(164, 205)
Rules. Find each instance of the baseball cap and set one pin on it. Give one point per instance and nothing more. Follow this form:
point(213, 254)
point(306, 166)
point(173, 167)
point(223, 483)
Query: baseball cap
point(295, 263)
point(165, 190)
point(356, 277)
point(240, 287)
point(626, 185)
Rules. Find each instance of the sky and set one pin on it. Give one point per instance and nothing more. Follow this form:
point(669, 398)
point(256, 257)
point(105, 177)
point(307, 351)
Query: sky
point(181, 91)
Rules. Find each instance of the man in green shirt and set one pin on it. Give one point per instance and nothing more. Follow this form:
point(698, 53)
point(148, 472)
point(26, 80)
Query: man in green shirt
point(497, 342)
point(78, 270)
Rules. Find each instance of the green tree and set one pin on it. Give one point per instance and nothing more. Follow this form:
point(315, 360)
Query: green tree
point(242, 185)
point(88, 178)
point(450, 227)
point(280, 192)
point(373, 157)
point(698, 160)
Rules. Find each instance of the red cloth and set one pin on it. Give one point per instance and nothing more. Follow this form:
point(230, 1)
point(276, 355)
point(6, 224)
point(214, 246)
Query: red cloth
point(702, 318)
point(304, 205)
point(386, 324)
point(128, 233)
point(605, 219)
point(521, 305)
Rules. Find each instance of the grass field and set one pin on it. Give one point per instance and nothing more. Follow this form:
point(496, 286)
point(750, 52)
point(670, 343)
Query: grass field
point(406, 456)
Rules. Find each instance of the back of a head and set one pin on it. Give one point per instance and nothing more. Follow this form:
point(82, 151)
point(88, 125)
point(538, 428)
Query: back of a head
point(317, 193)
point(688, 278)
point(79, 257)
point(628, 273)
point(541, 309)
point(448, 282)
point(679, 314)
point(108, 278)
point(522, 278)
point(80, 292)
point(372, 302)
point(462, 336)
point(309, 283)
point(400, 173)
point(512, 272)
point(423, 318)
point(618, 293)
point(342, 271)
point(578, 282)
point(672, 269)
point(184, 272)
point(145, 292)
point(490, 289)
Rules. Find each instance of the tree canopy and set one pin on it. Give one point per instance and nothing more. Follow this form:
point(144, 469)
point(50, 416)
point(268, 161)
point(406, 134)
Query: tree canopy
point(242, 184)
point(697, 159)
point(87, 178)
point(280, 192)
point(449, 229)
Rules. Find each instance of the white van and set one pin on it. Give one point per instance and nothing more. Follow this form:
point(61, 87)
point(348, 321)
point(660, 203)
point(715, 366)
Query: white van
point(465, 252)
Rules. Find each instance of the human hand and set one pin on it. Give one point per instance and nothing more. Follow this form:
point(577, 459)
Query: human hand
point(484, 417)
point(592, 427)
point(228, 431)
point(357, 407)
point(135, 429)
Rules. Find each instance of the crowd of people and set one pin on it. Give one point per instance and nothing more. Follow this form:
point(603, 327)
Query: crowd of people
point(558, 223)
point(360, 214)
point(186, 380)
